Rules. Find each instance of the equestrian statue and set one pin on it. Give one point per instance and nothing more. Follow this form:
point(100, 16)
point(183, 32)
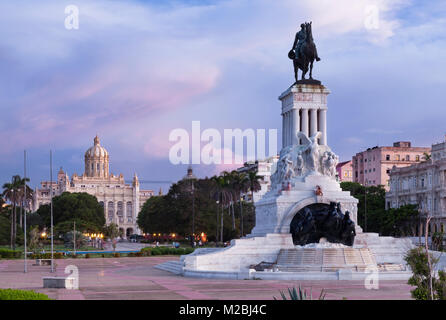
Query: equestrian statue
point(304, 52)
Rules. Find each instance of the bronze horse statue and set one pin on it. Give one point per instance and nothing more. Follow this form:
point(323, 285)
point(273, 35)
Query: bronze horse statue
point(304, 52)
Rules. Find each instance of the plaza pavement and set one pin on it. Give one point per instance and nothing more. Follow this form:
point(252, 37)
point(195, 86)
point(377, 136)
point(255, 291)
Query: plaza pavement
point(136, 278)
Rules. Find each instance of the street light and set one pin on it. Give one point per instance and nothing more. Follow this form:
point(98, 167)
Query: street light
point(190, 176)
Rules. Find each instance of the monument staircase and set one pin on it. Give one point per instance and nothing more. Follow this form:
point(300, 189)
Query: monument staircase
point(324, 259)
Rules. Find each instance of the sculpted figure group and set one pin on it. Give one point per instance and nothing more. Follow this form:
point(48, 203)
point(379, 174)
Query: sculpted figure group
point(309, 225)
point(304, 159)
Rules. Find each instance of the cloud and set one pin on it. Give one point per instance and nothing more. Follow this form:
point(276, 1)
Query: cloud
point(135, 70)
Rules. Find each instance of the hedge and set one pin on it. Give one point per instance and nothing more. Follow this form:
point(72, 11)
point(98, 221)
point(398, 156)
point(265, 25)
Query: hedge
point(8, 253)
point(148, 251)
point(13, 294)
point(46, 255)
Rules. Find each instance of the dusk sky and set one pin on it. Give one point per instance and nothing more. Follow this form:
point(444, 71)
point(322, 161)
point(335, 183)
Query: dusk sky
point(136, 70)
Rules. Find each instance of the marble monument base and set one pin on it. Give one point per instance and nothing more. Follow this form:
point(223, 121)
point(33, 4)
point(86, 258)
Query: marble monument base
point(383, 256)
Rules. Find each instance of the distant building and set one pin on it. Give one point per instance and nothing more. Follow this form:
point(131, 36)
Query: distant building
point(422, 184)
point(121, 202)
point(345, 171)
point(372, 167)
point(265, 168)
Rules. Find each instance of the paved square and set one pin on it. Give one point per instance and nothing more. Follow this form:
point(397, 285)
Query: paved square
point(136, 278)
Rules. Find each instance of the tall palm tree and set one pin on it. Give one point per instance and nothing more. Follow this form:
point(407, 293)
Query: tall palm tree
point(11, 193)
point(240, 184)
point(254, 183)
point(21, 197)
point(224, 196)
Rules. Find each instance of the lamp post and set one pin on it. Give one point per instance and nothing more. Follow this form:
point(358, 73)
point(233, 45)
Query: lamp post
point(24, 217)
point(365, 207)
point(51, 197)
point(190, 176)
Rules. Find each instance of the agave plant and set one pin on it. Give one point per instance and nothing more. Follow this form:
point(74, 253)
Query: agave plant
point(300, 294)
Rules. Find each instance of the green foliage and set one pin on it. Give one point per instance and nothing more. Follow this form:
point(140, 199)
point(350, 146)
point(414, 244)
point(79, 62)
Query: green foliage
point(417, 260)
point(300, 294)
point(173, 212)
point(13, 294)
point(47, 255)
point(437, 241)
point(5, 229)
point(81, 240)
point(147, 251)
point(68, 207)
point(393, 222)
point(10, 254)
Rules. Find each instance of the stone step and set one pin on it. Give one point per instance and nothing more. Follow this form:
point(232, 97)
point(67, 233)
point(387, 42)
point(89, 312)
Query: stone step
point(175, 267)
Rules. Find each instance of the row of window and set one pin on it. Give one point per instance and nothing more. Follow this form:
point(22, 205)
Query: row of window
point(396, 158)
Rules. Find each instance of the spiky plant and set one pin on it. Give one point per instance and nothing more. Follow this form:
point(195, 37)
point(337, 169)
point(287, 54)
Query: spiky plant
point(300, 294)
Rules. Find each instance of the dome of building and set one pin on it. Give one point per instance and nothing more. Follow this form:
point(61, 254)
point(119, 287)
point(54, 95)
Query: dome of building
point(97, 160)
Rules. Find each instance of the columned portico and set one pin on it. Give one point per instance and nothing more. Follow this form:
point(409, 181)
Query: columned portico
point(304, 109)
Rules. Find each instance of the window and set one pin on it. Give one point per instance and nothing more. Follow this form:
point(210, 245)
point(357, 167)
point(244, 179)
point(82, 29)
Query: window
point(365, 160)
point(407, 157)
point(397, 157)
point(388, 171)
point(373, 169)
point(388, 157)
point(417, 158)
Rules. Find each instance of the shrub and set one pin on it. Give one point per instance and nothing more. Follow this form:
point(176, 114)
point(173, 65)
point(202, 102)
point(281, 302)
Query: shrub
point(146, 251)
point(300, 294)
point(10, 254)
point(417, 260)
point(46, 255)
point(116, 255)
point(12, 294)
point(131, 254)
point(87, 256)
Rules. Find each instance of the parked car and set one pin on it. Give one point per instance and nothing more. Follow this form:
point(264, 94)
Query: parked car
point(136, 238)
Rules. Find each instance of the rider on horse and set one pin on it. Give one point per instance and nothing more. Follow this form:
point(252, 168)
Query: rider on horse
point(301, 37)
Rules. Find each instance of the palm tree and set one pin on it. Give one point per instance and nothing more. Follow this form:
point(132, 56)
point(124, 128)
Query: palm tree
point(426, 156)
point(11, 193)
point(254, 183)
point(240, 184)
point(223, 194)
point(21, 197)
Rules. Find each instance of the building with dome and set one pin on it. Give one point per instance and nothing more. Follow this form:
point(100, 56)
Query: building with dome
point(121, 202)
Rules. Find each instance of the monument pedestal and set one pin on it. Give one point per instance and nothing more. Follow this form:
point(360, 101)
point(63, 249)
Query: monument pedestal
point(305, 180)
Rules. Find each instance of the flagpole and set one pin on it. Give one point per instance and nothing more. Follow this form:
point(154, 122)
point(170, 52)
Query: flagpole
point(26, 266)
point(51, 192)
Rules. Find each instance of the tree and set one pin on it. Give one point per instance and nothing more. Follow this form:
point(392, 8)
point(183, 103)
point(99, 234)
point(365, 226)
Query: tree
point(171, 213)
point(224, 196)
point(112, 231)
point(254, 183)
point(401, 221)
point(426, 286)
point(240, 184)
point(11, 193)
point(69, 207)
point(426, 156)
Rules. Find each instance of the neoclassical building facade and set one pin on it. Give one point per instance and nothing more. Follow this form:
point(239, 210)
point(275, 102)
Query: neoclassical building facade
point(423, 184)
point(121, 202)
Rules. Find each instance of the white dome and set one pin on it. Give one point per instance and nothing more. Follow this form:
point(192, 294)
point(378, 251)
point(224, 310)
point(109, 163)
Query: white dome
point(96, 151)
